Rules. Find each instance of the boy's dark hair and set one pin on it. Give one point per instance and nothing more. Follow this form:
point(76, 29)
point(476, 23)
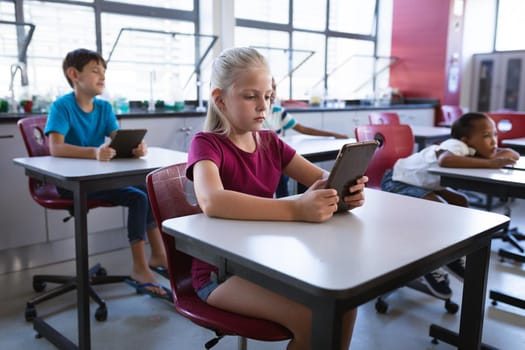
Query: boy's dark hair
point(462, 127)
point(78, 59)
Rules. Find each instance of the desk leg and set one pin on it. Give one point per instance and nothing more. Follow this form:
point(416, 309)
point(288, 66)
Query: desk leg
point(326, 325)
point(81, 252)
point(473, 303)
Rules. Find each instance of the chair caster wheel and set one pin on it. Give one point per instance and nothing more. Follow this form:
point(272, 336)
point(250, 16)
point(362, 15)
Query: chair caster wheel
point(101, 314)
point(451, 306)
point(381, 306)
point(30, 313)
point(102, 272)
point(39, 286)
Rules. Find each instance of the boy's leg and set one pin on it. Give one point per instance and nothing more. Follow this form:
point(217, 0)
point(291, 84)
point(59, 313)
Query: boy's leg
point(246, 298)
point(158, 253)
point(141, 271)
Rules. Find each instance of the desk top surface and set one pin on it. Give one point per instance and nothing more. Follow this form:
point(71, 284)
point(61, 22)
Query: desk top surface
point(509, 176)
point(384, 236)
point(75, 168)
point(308, 145)
point(520, 141)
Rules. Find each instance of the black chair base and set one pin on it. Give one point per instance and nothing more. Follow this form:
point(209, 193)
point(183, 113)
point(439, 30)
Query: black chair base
point(97, 275)
point(449, 337)
point(382, 306)
point(506, 299)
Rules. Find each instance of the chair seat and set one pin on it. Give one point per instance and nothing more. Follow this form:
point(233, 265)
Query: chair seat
point(192, 307)
point(47, 196)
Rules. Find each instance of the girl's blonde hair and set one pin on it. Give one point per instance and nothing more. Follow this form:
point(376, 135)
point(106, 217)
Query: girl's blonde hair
point(225, 71)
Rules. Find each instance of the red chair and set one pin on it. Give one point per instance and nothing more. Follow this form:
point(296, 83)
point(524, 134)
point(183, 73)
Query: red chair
point(169, 192)
point(390, 118)
point(450, 114)
point(36, 142)
point(395, 141)
point(508, 125)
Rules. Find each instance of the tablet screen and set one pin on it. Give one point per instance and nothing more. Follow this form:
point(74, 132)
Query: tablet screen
point(126, 140)
point(351, 163)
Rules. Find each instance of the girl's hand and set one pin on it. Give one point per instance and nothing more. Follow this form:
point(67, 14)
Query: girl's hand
point(141, 150)
point(316, 205)
point(105, 152)
point(357, 196)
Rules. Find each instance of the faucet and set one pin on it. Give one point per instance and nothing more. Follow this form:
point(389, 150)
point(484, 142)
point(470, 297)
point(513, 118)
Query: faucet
point(23, 78)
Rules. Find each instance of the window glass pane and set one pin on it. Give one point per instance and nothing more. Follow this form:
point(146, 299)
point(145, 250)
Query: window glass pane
point(309, 77)
point(275, 11)
point(310, 14)
point(59, 29)
point(273, 45)
point(352, 16)
point(510, 25)
point(177, 5)
point(8, 45)
point(149, 65)
point(350, 68)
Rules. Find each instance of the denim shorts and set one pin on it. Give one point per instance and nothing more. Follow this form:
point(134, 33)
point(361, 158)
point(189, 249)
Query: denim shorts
point(389, 185)
point(205, 291)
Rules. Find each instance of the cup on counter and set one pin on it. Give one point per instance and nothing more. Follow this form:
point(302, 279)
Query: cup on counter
point(4, 106)
point(27, 105)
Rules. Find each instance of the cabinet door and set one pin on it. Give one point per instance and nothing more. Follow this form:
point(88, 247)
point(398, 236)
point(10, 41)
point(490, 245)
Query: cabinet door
point(344, 122)
point(512, 81)
point(23, 220)
point(309, 119)
point(162, 132)
point(192, 125)
point(485, 88)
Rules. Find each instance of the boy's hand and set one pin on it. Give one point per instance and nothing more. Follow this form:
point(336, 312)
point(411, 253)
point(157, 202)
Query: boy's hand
point(356, 198)
point(141, 150)
point(500, 162)
point(105, 152)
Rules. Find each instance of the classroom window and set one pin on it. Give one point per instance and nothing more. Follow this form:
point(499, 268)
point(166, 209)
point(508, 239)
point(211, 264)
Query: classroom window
point(60, 28)
point(352, 16)
point(179, 4)
point(144, 64)
point(262, 10)
point(310, 27)
point(309, 14)
point(8, 44)
point(510, 25)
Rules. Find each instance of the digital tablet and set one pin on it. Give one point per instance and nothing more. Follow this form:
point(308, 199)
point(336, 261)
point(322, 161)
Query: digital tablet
point(351, 163)
point(126, 140)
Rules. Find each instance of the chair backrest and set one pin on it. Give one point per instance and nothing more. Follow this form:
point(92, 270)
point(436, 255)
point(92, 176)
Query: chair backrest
point(508, 125)
point(169, 191)
point(32, 130)
point(395, 141)
point(450, 114)
point(390, 118)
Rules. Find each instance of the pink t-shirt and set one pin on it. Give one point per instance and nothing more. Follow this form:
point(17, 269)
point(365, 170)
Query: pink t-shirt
point(254, 173)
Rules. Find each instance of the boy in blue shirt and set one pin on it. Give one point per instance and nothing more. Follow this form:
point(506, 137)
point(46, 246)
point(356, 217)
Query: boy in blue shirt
point(77, 125)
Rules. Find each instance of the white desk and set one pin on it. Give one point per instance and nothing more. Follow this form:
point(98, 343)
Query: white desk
point(426, 135)
point(82, 176)
point(498, 182)
point(516, 144)
point(352, 258)
point(316, 148)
